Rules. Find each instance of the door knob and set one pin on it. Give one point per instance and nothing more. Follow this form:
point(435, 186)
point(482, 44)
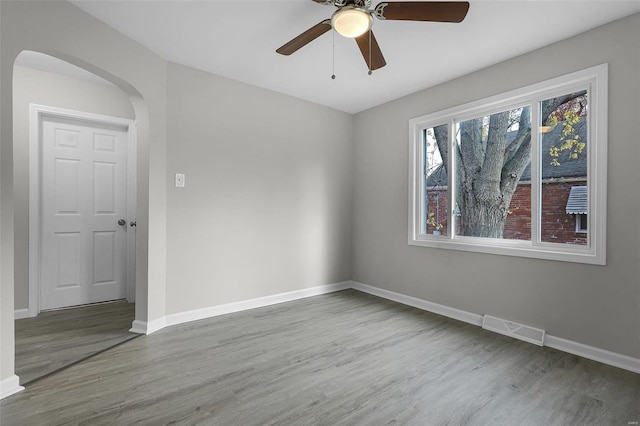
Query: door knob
point(122, 222)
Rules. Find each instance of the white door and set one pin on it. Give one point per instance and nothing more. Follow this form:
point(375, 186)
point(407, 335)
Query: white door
point(84, 195)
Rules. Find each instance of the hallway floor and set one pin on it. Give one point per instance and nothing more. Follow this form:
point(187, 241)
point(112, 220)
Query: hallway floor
point(56, 339)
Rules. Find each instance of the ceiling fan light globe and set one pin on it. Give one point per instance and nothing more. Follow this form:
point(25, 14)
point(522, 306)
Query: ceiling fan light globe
point(351, 22)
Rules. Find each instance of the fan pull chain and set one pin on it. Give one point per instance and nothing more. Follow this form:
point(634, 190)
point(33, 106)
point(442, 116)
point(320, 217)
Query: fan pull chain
point(370, 51)
point(333, 55)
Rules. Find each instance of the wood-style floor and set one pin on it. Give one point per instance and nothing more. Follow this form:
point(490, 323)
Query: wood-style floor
point(56, 339)
point(342, 358)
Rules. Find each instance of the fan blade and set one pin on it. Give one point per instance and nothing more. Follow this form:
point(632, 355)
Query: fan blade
point(305, 38)
point(373, 57)
point(436, 11)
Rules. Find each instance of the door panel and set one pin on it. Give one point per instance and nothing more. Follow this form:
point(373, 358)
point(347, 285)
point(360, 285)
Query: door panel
point(66, 138)
point(66, 186)
point(105, 143)
point(104, 190)
point(104, 253)
point(68, 260)
point(83, 196)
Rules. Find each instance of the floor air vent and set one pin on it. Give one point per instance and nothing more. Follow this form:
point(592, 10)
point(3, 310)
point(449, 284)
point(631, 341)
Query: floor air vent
point(513, 329)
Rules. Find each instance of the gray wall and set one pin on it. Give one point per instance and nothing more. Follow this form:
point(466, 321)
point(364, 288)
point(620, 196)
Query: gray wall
point(594, 305)
point(266, 208)
point(44, 88)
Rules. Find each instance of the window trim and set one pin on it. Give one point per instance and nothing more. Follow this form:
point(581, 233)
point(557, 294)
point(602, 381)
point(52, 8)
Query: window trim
point(595, 80)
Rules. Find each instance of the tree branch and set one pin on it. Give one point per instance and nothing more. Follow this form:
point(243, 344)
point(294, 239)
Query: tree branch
point(550, 105)
point(488, 187)
point(441, 134)
point(471, 149)
point(524, 131)
point(513, 169)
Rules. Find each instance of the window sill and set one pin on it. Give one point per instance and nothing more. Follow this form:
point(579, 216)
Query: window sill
point(518, 248)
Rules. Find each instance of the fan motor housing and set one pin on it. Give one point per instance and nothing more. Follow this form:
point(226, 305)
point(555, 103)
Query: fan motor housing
point(363, 4)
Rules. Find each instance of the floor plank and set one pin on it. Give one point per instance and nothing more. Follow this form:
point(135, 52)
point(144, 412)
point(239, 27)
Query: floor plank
point(342, 358)
point(55, 339)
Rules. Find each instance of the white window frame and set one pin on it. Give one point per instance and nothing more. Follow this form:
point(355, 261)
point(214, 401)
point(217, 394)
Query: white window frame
point(595, 81)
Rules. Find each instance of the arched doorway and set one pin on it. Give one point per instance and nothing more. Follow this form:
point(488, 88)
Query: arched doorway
point(48, 89)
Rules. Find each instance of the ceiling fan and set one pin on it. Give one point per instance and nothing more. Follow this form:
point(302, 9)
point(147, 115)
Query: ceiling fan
point(354, 19)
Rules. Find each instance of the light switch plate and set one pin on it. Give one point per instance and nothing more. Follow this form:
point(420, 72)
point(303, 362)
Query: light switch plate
point(179, 180)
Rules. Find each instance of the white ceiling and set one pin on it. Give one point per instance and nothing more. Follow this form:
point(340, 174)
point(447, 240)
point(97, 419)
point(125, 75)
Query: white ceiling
point(237, 39)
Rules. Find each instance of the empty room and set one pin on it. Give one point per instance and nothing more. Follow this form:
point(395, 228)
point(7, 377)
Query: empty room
point(319, 212)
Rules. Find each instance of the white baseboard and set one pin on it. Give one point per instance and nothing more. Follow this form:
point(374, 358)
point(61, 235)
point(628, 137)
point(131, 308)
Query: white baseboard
point(21, 313)
point(139, 327)
point(596, 354)
point(198, 314)
point(144, 327)
point(9, 386)
point(425, 305)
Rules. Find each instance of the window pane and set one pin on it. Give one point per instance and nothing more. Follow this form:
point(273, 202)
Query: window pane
point(582, 223)
point(493, 183)
point(564, 160)
point(436, 181)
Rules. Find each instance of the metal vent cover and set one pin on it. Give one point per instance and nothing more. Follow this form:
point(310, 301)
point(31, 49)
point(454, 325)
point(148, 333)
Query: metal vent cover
point(513, 329)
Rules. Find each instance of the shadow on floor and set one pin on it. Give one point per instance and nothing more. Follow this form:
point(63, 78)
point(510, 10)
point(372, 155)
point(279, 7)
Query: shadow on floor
point(57, 339)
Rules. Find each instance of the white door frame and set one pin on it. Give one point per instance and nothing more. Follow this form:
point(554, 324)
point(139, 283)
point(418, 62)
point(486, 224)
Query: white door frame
point(36, 115)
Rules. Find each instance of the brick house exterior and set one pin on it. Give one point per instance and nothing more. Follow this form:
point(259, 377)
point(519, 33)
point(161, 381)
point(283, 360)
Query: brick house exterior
point(557, 225)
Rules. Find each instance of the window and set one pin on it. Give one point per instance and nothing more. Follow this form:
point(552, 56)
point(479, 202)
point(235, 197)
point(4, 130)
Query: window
point(582, 223)
point(522, 173)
